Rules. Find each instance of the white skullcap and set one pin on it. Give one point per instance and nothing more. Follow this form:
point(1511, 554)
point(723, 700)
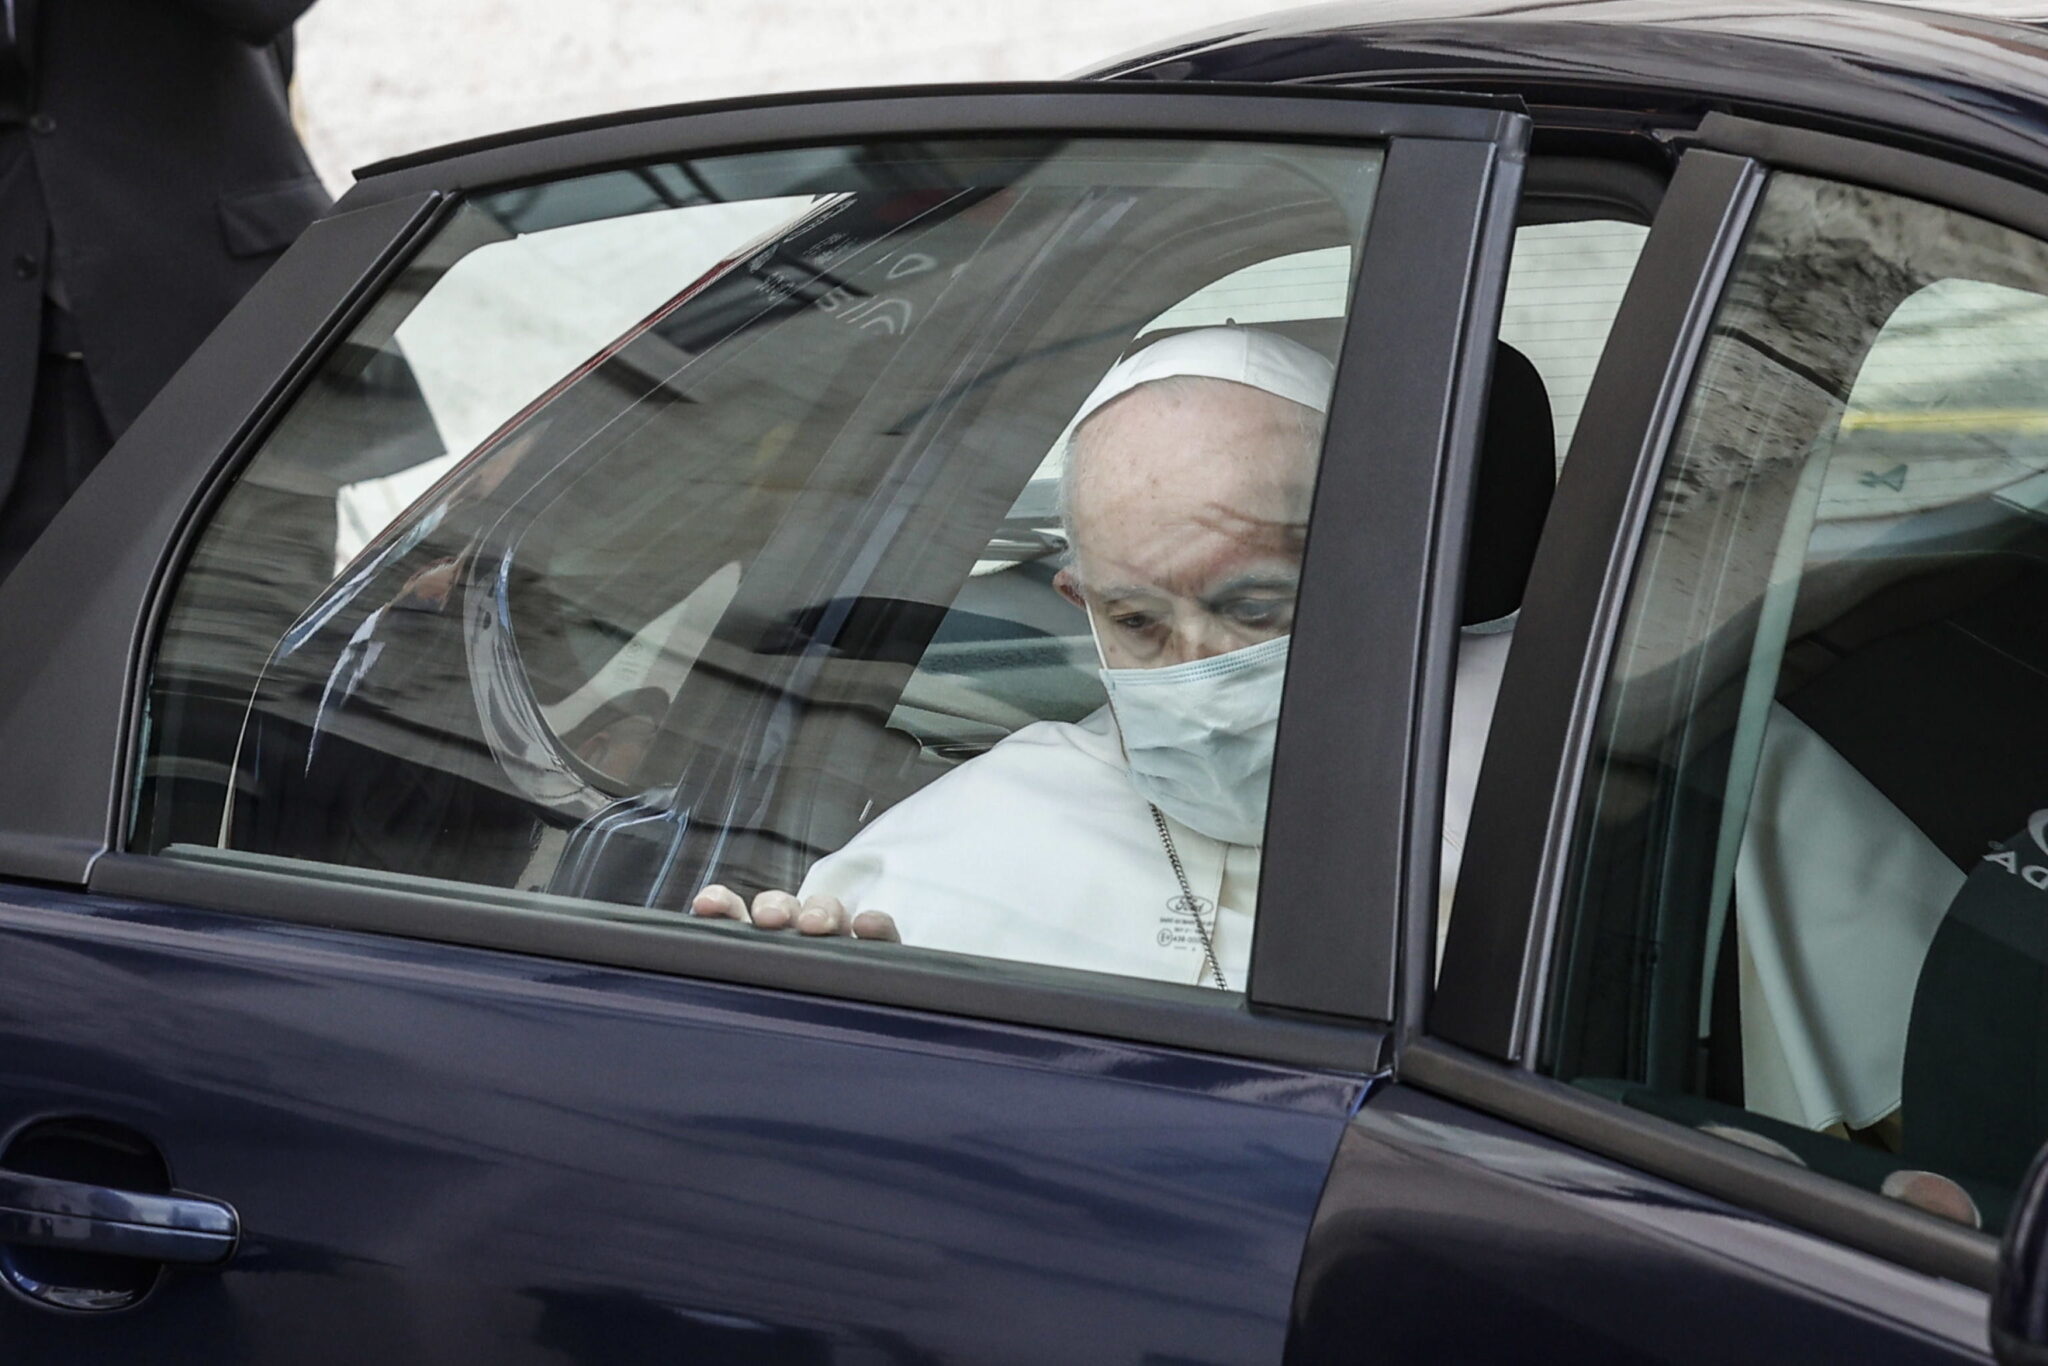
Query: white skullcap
point(1243, 355)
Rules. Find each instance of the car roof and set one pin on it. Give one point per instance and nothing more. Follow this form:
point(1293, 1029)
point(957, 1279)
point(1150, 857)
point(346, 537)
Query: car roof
point(1972, 86)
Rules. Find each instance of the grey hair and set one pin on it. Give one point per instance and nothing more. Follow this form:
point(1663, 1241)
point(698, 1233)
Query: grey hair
point(1308, 422)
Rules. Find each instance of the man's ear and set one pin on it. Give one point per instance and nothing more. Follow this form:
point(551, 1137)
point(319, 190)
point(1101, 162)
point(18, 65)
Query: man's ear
point(1070, 588)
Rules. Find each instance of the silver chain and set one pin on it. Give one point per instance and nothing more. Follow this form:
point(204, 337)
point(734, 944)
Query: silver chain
point(1188, 899)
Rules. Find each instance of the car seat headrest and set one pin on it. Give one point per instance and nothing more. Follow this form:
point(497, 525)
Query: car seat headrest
point(1517, 473)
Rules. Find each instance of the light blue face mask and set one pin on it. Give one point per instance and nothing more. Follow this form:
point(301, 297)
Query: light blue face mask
point(1199, 736)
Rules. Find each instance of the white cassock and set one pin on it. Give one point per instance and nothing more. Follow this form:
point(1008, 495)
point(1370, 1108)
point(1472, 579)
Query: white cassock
point(1042, 850)
point(1837, 898)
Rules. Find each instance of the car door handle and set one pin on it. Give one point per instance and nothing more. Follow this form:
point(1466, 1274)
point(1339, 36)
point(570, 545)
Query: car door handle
point(41, 1211)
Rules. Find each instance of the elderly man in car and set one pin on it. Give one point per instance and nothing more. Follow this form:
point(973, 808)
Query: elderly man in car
point(1129, 841)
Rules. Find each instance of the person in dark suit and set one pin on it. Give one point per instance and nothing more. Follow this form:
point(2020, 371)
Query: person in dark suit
point(149, 174)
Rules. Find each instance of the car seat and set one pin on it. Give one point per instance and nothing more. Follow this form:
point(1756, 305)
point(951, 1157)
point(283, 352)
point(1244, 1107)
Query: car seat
point(1511, 497)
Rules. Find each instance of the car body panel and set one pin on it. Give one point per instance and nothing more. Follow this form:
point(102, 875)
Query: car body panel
point(443, 1154)
point(1448, 1235)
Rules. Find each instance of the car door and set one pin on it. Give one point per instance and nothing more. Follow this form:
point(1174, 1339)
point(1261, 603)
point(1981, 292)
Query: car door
point(1728, 1055)
point(575, 517)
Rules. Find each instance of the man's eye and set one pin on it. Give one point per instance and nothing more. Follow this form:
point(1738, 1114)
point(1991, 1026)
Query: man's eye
point(1259, 611)
point(1135, 623)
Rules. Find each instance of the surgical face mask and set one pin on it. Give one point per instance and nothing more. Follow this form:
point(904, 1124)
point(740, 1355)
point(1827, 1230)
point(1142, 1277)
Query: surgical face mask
point(1199, 736)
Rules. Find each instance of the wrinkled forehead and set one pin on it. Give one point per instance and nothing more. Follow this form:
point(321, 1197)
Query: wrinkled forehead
point(1210, 436)
point(1192, 458)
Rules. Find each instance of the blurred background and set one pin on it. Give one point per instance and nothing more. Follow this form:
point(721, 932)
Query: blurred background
point(379, 77)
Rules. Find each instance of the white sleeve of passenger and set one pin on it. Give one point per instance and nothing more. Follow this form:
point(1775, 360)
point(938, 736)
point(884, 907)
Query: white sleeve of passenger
point(1837, 898)
point(1481, 657)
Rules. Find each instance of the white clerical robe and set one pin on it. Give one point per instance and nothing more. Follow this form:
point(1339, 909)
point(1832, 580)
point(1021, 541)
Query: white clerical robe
point(1042, 850)
point(1837, 898)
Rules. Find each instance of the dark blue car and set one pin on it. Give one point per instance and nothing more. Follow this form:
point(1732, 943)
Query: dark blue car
point(1649, 960)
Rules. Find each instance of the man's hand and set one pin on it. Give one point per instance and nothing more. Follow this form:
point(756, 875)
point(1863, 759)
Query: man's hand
point(814, 916)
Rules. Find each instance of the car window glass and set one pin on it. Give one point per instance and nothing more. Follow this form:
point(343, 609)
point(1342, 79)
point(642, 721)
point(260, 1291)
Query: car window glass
point(526, 309)
point(702, 525)
point(1808, 896)
point(1565, 283)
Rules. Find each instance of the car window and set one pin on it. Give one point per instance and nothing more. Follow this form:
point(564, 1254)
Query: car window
point(527, 308)
point(719, 525)
point(1806, 908)
point(1565, 282)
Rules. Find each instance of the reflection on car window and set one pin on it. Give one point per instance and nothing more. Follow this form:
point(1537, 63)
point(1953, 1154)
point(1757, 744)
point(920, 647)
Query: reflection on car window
point(1804, 917)
point(528, 308)
point(711, 524)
